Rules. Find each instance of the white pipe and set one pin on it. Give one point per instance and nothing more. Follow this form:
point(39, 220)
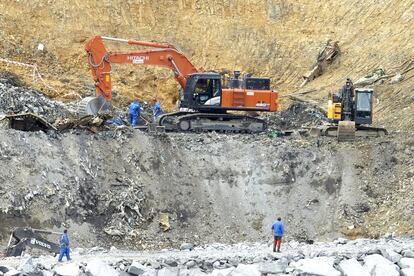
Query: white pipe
point(114, 39)
point(11, 236)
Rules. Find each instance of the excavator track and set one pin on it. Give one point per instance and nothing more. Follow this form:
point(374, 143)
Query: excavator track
point(199, 122)
point(359, 131)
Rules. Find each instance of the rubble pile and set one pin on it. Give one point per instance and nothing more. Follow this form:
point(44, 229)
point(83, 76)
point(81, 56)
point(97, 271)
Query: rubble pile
point(15, 100)
point(297, 115)
point(387, 256)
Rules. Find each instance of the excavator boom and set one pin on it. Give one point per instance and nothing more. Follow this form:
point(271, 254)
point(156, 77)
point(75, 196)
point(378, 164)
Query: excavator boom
point(165, 55)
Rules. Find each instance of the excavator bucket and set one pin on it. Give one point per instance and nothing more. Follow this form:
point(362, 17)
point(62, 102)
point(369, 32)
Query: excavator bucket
point(346, 131)
point(93, 106)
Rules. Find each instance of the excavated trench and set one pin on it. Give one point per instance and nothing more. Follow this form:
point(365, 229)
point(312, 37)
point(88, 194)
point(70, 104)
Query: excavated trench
point(114, 187)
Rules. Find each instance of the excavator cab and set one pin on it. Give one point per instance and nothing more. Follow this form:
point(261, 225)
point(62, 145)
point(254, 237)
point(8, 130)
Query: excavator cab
point(202, 91)
point(363, 106)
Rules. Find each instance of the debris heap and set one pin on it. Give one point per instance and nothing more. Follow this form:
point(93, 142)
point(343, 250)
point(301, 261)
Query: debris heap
point(16, 100)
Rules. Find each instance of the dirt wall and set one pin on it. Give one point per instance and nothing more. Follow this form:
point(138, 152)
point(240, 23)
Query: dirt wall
point(113, 186)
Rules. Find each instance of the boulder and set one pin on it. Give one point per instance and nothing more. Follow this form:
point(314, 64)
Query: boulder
point(391, 255)
point(246, 270)
point(352, 267)
point(379, 266)
point(273, 267)
point(408, 253)
point(171, 262)
point(340, 241)
point(168, 271)
point(137, 269)
point(34, 273)
point(69, 269)
point(26, 266)
point(222, 272)
point(191, 272)
point(190, 264)
point(407, 272)
point(317, 266)
point(4, 269)
point(97, 267)
point(406, 263)
point(12, 272)
point(186, 246)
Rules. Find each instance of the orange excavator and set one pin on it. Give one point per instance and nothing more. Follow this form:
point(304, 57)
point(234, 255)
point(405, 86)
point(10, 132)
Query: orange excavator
point(204, 103)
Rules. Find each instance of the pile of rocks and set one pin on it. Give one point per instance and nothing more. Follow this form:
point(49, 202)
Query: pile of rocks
point(297, 115)
point(342, 257)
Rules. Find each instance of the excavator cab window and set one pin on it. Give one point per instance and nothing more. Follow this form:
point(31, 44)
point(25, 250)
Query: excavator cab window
point(363, 107)
point(206, 89)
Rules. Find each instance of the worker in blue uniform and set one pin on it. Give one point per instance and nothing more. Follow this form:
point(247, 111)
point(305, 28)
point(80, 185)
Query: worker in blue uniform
point(156, 111)
point(278, 231)
point(64, 246)
point(134, 111)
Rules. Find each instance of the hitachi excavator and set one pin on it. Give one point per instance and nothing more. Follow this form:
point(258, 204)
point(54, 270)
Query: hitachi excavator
point(351, 110)
point(205, 102)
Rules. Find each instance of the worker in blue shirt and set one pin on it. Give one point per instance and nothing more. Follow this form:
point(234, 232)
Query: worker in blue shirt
point(156, 111)
point(64, 246)
point(278, 230)
point(134, 110)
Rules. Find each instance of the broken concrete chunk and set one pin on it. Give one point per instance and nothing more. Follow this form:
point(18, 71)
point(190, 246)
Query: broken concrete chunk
point(314, 267)
point(380, 266)
point(352, 267)
point(223, 272)
point(137, 269)
point(273, 267)
point(168, 271)
point(407, 272)
point(408, 253)
point(406, 263)
point(70, 269)
point(246, 270)
point(12, 272)
point(391, 255)
point(26, 266)
point(98, 268)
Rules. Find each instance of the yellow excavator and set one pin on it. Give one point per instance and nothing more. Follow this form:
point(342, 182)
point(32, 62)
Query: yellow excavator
point(351, 111)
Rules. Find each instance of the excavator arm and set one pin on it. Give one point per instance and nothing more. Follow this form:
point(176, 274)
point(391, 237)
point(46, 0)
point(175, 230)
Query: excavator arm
point(23, 237)
point(164, 55)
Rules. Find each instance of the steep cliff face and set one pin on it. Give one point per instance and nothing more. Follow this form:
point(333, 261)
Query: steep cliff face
point(275, 38)
point(112, 187)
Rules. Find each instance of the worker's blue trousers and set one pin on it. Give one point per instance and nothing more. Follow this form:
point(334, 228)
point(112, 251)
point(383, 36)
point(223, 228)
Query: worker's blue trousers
point(63, 252)
point(133, 119)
